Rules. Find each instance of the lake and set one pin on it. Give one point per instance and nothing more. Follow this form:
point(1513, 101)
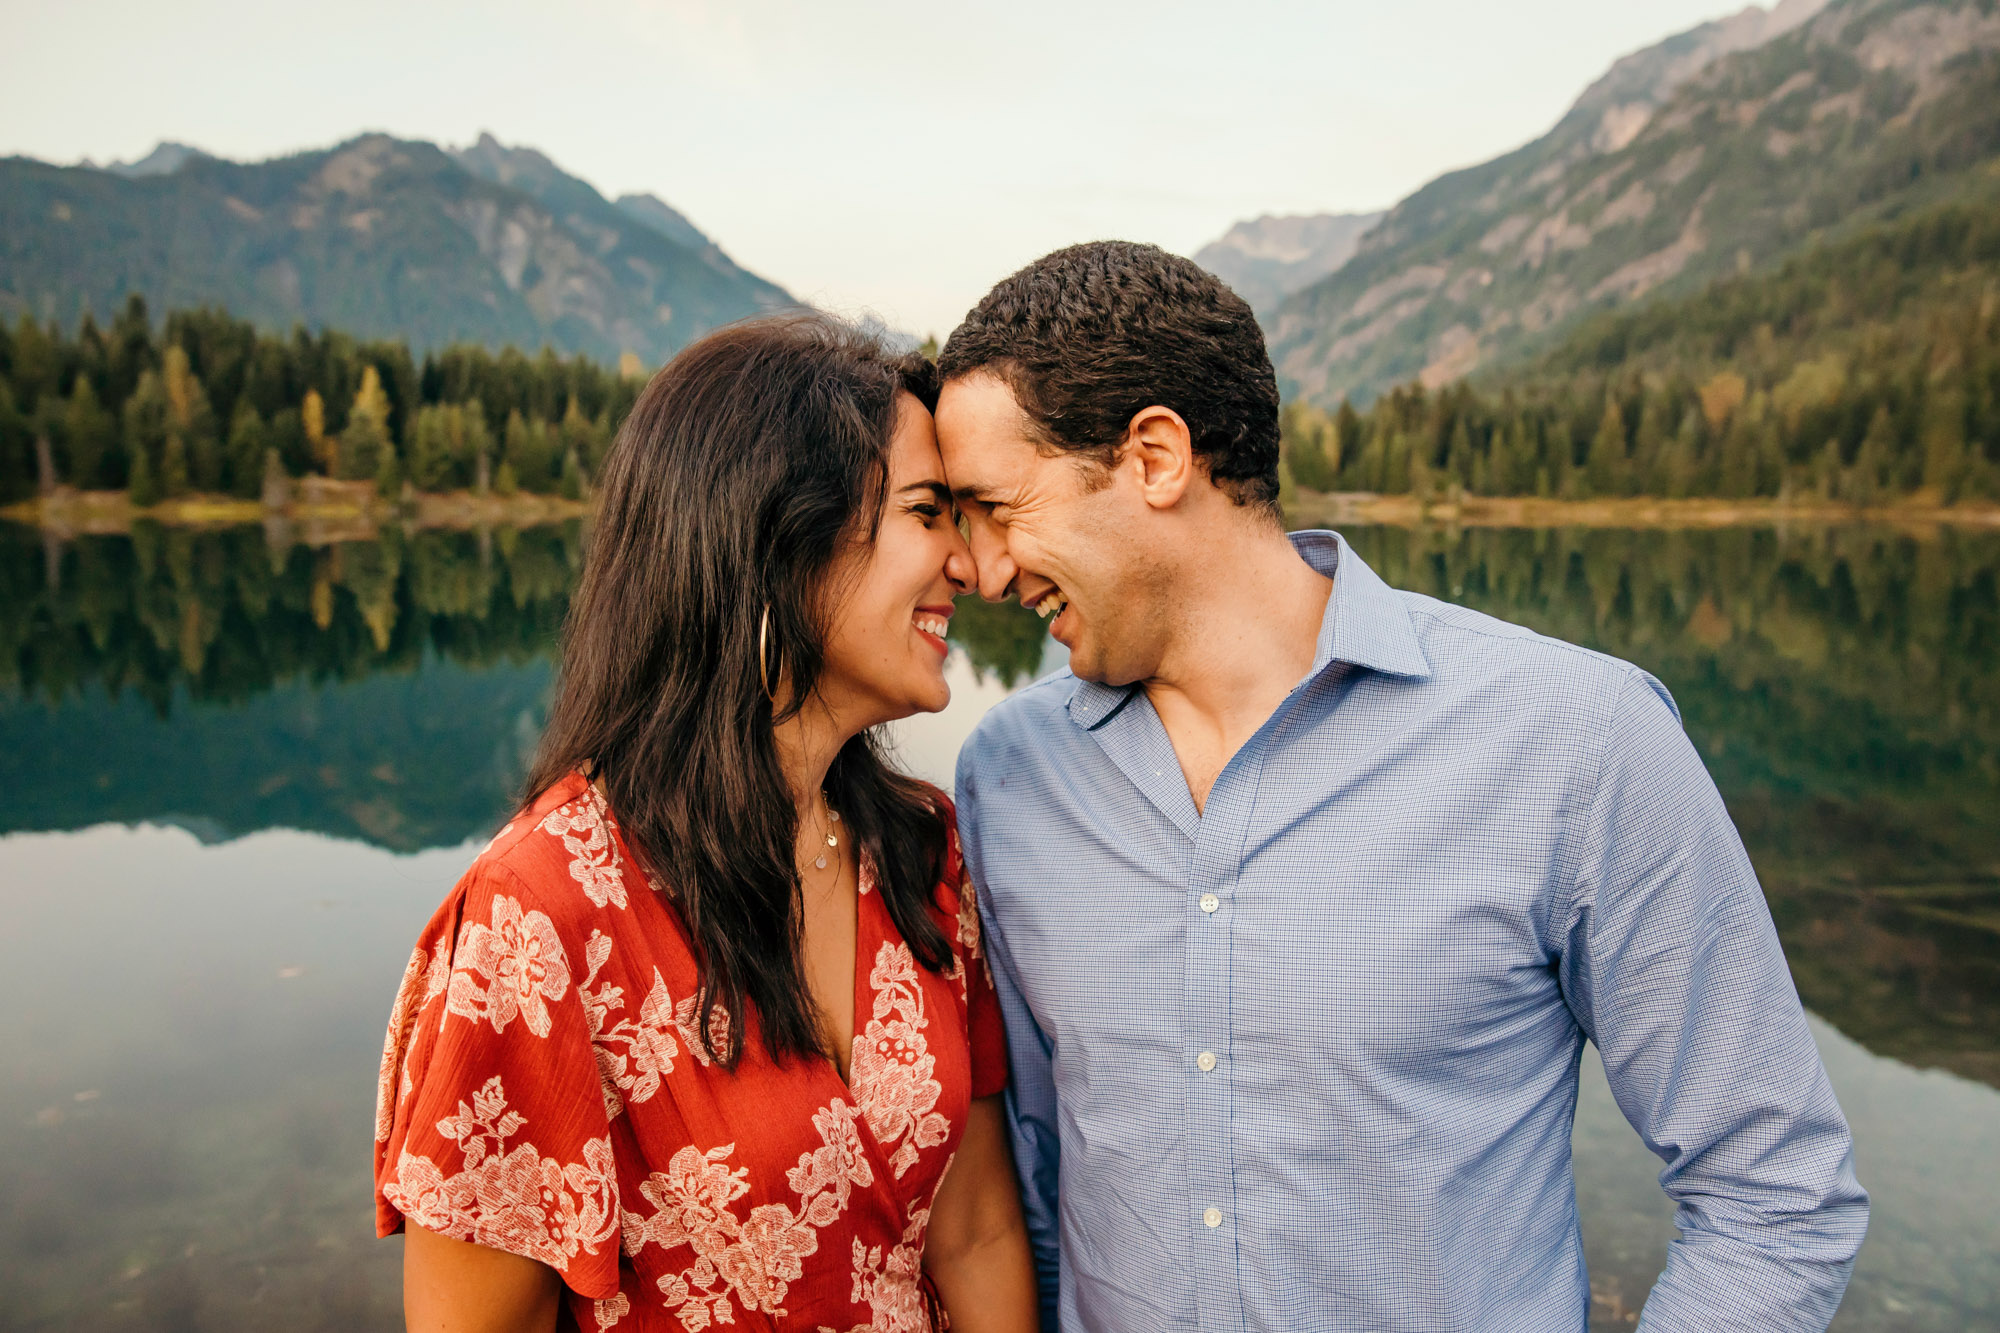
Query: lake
point(244, 766)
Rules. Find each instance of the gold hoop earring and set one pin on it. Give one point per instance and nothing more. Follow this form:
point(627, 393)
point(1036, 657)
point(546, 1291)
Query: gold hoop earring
point(763, 654)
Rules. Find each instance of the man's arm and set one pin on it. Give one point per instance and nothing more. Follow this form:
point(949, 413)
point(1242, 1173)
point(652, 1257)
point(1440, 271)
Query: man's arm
point(1673, 968)
point(1031, 1089)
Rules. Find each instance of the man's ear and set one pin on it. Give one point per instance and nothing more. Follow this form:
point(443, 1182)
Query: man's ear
point(1160, 449)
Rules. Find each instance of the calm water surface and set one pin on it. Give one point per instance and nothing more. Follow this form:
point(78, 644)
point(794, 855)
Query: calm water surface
point(243, 769)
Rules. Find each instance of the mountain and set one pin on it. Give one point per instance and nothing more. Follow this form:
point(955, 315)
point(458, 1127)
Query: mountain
point(166, 158)
point(1268, 258)
point(1718, 151)
point(379, 237)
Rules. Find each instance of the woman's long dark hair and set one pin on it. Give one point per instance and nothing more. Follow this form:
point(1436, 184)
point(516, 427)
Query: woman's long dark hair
point(745, 468)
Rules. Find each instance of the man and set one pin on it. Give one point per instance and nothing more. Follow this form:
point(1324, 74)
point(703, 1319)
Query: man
point(1303, 894)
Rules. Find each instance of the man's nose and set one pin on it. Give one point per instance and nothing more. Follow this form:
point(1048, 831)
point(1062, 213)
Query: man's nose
point(996, 567)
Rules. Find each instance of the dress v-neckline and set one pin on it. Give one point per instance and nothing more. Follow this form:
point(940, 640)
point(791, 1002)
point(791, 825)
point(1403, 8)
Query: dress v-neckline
point(863, 993)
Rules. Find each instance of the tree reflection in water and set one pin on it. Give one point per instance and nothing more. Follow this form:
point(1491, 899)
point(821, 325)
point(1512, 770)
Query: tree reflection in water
point(1840, 681)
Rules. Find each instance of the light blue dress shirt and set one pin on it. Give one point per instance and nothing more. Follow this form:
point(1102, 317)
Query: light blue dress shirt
point(1308, 1059)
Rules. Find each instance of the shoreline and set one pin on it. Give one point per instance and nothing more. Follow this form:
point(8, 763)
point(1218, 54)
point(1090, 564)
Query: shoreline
point(330, 510)
point(353, 507)
point(1638, 511)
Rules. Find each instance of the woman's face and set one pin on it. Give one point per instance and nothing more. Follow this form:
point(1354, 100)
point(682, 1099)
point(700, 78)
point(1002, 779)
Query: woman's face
point(885, 649)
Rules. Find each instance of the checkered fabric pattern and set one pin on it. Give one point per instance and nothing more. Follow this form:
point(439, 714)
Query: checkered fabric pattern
point(1308, 1059)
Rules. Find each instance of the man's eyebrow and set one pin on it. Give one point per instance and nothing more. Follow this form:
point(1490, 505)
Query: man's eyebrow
point(976, 494)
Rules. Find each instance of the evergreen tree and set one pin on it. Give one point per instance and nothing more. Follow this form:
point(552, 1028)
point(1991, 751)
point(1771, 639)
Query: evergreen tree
point(366, 437)
point(191, 422)
point(90, 436)
point(143, 486)
point(321, 448)
point(17, 476)
point(248, 444)
point(1605, 467)
point(145, 431)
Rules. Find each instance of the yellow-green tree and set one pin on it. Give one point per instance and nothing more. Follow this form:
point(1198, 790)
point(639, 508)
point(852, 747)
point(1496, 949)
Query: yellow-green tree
point(366, 438)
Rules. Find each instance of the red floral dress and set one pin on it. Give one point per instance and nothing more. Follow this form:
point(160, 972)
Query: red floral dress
point(544, 1092)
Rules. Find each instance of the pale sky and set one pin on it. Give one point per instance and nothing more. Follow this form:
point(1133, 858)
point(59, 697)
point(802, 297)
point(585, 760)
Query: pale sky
point(894, 158)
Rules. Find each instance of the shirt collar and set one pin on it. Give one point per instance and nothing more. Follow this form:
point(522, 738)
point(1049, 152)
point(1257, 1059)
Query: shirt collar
point(1365, 625)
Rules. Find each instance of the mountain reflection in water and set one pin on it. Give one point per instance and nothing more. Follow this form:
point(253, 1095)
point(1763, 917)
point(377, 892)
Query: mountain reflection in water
point(1843, 684)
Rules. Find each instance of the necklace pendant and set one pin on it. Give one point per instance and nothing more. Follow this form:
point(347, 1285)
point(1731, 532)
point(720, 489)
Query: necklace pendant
point(819, 862)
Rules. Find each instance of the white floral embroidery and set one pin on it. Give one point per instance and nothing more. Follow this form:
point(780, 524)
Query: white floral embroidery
point(633, 1054)
point(888, 1280)
point(747, 1262)
point(515, 1200)
point(892, 1065)
point(718, 1027)
point(521, 959)
point(425, 973)
point(610, 1310)
point(584, 827)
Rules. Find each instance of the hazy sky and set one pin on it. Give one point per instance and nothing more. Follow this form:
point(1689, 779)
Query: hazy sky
point(893, 157)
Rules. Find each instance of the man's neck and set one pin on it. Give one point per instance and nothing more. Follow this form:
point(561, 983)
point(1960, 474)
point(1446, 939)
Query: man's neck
point(1244, 635)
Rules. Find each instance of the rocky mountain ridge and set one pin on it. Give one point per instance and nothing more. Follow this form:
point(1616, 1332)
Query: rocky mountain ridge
point(379, 237)
point(1714, 152)
point(1268, 258)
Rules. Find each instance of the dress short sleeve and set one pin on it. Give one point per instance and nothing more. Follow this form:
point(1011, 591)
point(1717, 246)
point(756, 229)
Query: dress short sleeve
point(490, 1126)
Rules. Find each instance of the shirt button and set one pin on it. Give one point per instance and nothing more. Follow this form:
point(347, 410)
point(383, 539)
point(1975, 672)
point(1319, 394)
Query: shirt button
point(1213, 1217)
point(1209, 902)
point(1205, 1061)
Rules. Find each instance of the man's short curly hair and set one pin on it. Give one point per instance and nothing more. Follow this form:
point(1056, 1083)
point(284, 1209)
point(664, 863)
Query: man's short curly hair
point(1092, 334)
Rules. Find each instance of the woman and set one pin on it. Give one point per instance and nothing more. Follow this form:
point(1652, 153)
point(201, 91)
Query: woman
point(697, 1036)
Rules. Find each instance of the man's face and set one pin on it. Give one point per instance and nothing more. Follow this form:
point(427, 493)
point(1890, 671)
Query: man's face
point(1055, 531)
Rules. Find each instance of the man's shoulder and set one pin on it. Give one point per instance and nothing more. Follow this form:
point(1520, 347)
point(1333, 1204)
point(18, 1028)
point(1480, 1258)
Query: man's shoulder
point(1472, 649)
point(1025, 716)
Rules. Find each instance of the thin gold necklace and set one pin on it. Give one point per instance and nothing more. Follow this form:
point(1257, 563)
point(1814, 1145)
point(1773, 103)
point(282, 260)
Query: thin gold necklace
point(831, 818)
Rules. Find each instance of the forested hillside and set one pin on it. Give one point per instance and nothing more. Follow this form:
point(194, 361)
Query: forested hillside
point(1859, 371)
point(1720, 152)
point(379, 238)
point(209, 404)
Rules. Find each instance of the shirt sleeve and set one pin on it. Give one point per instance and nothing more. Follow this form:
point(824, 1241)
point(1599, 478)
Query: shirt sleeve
point(1031, 1092)
point(1673, 968)
point(491, 1125)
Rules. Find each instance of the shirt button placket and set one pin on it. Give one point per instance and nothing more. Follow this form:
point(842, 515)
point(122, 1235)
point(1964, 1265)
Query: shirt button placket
point(1210, 1150)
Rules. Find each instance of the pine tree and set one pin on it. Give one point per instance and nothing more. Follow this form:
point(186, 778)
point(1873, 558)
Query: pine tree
point(366, 437)
point(1944, 445)
point(145, 430)
point(191, 421)
point(16, 469)
point(1865, 477)
point(321, 448)
point(1606, 466)
point(247, 447)
point(142, 486)
point(174, 466)
point(90, 434)
point(276, 491)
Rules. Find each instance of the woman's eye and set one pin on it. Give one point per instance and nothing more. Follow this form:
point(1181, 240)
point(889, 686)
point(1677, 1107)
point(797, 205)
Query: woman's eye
point(928, 512)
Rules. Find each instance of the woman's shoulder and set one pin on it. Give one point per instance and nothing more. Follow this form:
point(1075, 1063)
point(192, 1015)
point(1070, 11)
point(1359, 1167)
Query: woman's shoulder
point(563, 850)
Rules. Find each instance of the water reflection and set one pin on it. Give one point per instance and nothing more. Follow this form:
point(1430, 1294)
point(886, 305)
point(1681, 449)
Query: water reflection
point(1844, 686)
point(184, 1124)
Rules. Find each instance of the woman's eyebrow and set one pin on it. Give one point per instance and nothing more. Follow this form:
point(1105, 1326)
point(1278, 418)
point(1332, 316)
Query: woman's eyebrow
point(936, 488)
